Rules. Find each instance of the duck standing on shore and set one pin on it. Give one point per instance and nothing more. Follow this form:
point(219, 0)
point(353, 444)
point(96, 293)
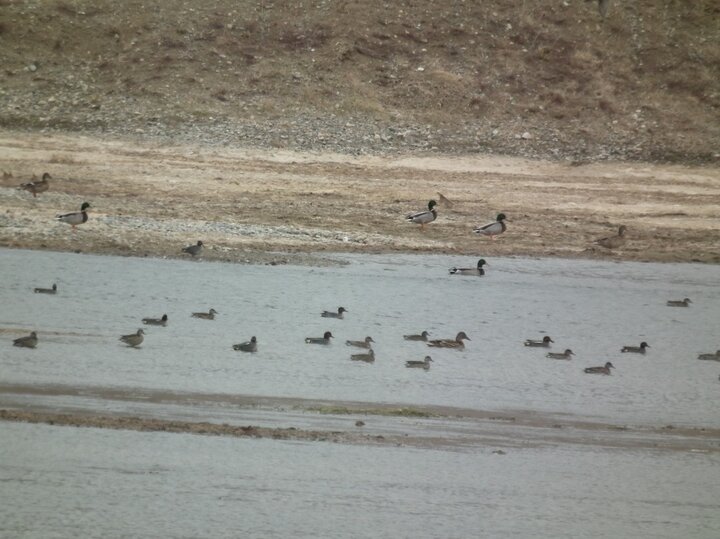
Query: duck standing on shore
point(37, 186)
point(75, 218)
point(194, 250)
point(493, 229)
point(424, 217)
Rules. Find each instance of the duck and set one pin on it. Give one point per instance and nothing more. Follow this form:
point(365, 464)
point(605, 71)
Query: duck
point(545, 342)
point(325, 339)
point(29, 341)
point(75, 218)
point(679, 303)
point(711, 357)
point(156, 321)
point(193, 250)
point(457, 342)
point(479, 271)
point(557, 355)
point(247, 346)
point(134, 339)
point(605, 369)
point(636, 349)
point(368, 357)
point(361, 344)
point(338, 314)
point(613, 242)
point(37, 186)
point(424, 364)
point(493, 229)
point(210, 315)
point(421, 337)
point(424, 217)
point(52, 290)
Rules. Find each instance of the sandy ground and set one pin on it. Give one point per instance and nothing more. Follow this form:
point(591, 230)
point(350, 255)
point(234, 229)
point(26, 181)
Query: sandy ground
point(283, 207)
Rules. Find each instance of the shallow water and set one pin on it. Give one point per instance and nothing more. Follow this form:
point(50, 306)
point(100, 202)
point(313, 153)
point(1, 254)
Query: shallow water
point(99, 483)
point(592, 307)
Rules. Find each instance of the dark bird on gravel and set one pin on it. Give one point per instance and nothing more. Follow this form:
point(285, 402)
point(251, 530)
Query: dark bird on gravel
point(37, 186)
point(493, 229)
point(75, 218)
point(52, 290)
point(194, 250)
point(424, 217)
point(30, 341)
point(613, 242)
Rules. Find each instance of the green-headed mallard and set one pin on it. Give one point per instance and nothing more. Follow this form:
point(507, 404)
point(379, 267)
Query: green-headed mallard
point(134, 339)
point(325, 339)
point(361, 344)
point(479, 271)
point(424, 364)
point(29, 341)
point(545, 342)
point(424, 217)
point(636, 349)
point(457, 342)
point(492, 229)
point(52, 290)
point(75, 218)
point(37, 186)
point(710, 357)
point(193, 250)
point(557, 355)
point(605, 369)
point(678, 303)
point(247, 346)
point(422, 337)
point(156, 321)
point(210, 315)
point(331, 314)
point(368, 357)
point(613, 242)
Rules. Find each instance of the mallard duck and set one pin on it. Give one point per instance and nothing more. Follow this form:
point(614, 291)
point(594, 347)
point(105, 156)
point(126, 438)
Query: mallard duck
point(29, 341)
point(470, 271)
point(457, 342)
point(636, 349)
point(52, 290)
point(710, 357)
point(368, 357)
point(422, 337)
point(210, 315)
point(37, 186)
point(605, 369)
point(361, 344)
point(193, 250)
point(557, 355)
point(338, 314)
point(75, 218)
point(424, 364)
point(325, 339)
point(676, 303)
point(493, 229)
point(613, 242)
point(134, 339)
point(424, 217)
point(156, 321)
point(247, 346)
point(545, 342)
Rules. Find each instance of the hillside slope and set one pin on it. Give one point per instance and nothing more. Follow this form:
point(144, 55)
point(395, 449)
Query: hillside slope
point(549, 78)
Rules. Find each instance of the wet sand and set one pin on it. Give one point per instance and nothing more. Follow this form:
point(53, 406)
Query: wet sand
point(277, 207)
point(334, 421)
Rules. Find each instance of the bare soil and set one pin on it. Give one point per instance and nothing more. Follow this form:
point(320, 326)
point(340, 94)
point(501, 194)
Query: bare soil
point(278, 206)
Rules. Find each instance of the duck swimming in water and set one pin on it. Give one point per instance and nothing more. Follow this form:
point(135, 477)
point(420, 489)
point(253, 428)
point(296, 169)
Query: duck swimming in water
point(479, 271)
